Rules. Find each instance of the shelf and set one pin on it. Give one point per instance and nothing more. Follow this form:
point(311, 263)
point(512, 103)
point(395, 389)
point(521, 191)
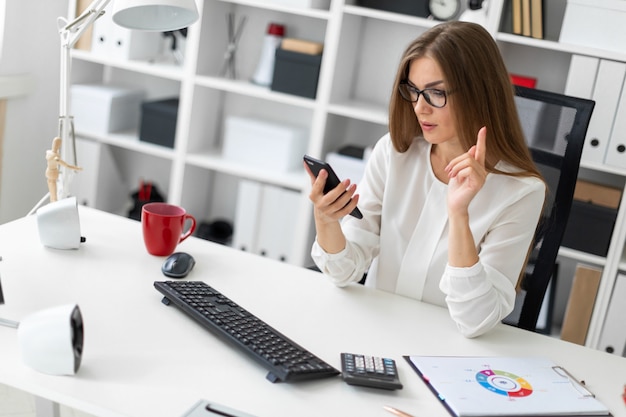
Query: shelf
point(295, 180)
point(161, 70)
point(560, 47)
point(301, 11)
point(252, 90)
point(360, 110)
point(129, 141)
point(603, 168)
point(389, 16)
point(582, 256)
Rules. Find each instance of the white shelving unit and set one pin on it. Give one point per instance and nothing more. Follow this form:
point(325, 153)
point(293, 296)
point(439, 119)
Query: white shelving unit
point(362, 47)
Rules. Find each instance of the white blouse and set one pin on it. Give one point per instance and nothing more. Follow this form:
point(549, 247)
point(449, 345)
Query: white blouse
point(402, 240)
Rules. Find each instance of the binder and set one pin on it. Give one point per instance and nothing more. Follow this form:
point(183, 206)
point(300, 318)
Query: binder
point(606, 94)
point(613, 336)
point(581, 79)
point(505, 386)
point(616, 149)
point(249, 199)
point(277, 221)
point(581, 76)
point(115, 42)
point(265, 218)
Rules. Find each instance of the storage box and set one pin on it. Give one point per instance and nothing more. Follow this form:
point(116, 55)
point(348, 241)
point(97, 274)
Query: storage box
point(593, 215)
point(296, 73)
point(595, 23)
point(264, 144)
point(410, 7)
point(103, 109)
point(589, 228)
point(597, 194)
point(158, 122)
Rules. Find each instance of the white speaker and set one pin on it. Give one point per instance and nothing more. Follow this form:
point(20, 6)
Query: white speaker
point(51, 340)
point(59, 225)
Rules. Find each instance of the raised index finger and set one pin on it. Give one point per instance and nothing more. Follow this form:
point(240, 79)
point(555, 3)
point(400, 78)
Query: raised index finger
point(481, 146)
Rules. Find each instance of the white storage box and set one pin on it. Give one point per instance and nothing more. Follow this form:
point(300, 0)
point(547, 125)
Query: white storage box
point(103, 109)
point(264, 144)
point(595, 23)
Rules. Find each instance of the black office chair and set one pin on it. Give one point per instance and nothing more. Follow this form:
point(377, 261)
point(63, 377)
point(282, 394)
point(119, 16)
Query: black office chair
point(555, 127)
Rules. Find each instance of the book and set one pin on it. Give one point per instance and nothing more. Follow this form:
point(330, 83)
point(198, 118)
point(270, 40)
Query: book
point(536, 19)
point(516, 12)
point(302, 46)
point(481, 386)
point(580, 304)
point(526, 31)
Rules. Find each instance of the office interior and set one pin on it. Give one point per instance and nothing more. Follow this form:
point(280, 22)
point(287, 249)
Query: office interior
point(29, 110)
point(29, 84)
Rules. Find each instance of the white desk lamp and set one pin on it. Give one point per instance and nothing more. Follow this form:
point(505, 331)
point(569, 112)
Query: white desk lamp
point(147, 15)
point(154, 15)
point(51, 340)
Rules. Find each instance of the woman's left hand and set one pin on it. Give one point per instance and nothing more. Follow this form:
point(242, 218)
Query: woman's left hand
point(467, 175)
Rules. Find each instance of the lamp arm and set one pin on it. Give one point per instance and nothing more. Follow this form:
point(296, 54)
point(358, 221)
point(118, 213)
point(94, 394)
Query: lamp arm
point(69, 33)
point(72, 31)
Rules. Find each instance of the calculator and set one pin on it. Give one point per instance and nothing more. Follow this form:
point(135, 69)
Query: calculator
point(370, 371)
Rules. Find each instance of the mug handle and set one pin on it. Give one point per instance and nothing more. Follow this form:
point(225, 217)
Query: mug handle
point(192, 227)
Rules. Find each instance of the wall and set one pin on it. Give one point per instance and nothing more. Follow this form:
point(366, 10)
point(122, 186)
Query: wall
point(31, 45)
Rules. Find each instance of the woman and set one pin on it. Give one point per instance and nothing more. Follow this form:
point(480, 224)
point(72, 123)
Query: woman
point(450, 196)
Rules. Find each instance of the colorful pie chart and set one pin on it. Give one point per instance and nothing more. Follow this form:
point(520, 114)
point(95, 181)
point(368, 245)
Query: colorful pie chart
point(504, 383)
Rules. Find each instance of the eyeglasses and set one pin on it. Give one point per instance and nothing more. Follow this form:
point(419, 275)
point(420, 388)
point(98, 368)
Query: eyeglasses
point(433, 96)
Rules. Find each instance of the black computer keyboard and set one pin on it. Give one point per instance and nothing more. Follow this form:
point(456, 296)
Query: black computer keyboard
point(285, 360)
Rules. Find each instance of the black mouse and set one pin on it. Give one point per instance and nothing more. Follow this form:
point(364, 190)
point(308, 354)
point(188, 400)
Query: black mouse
point(178, 265)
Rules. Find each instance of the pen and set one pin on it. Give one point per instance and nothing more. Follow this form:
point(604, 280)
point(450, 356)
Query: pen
point(396, 412)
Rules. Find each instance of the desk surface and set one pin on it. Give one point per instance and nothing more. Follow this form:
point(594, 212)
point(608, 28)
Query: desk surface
point(142, 358)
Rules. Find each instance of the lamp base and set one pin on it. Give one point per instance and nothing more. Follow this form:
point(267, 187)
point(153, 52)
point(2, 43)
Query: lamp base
point(59, 225)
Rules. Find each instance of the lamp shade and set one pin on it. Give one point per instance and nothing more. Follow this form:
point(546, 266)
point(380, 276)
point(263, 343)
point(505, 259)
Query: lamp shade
point(155, 15)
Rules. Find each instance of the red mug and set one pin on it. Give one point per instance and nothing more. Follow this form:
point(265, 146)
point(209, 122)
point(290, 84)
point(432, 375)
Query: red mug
point(163, 227)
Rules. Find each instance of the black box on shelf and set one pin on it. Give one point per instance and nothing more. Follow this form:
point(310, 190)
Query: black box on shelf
point(296, 73)
point(411, 7)
point(158, 121)
point(589, 228)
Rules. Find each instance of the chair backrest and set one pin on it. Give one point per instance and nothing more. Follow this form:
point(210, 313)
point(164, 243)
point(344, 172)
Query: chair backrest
point(555, 126)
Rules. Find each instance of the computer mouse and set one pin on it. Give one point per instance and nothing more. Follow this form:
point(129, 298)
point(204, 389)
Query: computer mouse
point(178, 265)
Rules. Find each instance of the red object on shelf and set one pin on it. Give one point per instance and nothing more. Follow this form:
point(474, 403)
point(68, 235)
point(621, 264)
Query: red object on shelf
point(523, 81)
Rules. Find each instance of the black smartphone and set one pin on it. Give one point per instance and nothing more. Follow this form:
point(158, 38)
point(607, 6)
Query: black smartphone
point(331, 182)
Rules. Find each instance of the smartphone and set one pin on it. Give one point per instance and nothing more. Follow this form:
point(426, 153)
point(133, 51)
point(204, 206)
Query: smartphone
point(331, 182)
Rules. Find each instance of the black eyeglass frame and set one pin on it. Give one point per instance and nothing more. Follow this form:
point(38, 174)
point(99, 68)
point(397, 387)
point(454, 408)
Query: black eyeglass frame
point(423, 92)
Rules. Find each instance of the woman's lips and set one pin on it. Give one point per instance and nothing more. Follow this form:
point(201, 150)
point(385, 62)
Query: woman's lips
point(427, 127)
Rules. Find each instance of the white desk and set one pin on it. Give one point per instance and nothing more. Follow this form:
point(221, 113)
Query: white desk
point(143, 359)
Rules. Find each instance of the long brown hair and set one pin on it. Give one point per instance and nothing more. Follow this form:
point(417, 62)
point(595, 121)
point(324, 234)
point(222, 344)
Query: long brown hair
point(481, 94)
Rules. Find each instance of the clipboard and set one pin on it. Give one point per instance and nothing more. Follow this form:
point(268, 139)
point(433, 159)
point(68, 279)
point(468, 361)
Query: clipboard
point(477, 386)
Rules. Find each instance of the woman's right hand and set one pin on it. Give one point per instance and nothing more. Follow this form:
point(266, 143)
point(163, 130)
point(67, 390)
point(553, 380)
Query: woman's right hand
point(334, 205)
